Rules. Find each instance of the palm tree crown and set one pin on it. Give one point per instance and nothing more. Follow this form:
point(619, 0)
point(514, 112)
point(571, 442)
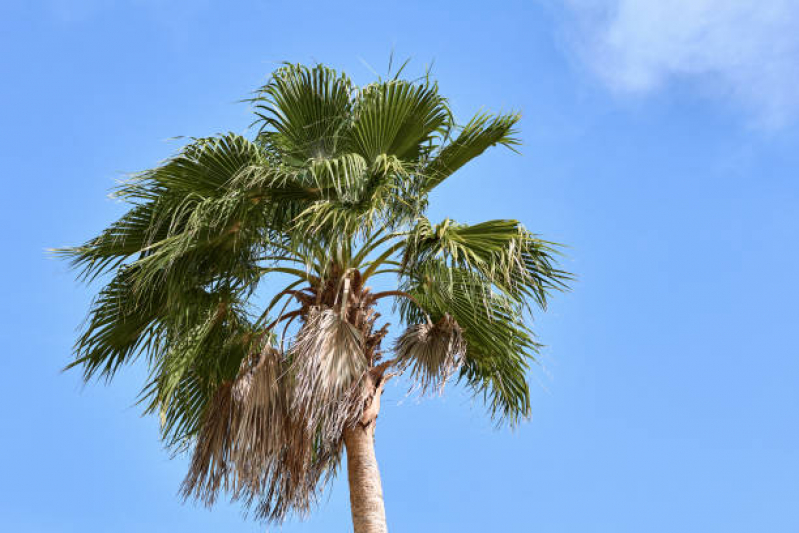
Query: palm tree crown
point(330, 193)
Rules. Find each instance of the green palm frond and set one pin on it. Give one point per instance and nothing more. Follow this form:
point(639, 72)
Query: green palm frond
point(120, 326)
point(480, 133)
point(398, 118)
point(503, 252)
point(302, 110)
point(499, 345)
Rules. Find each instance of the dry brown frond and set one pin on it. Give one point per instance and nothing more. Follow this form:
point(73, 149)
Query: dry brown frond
point(327, 368)
point(272, 438)
point(434, 352)
point(211, 462)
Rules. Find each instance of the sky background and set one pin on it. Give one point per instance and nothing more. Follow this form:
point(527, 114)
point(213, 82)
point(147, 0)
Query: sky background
point(661, 144)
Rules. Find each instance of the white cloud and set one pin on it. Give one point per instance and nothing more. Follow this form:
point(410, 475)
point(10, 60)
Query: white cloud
point(746, 49)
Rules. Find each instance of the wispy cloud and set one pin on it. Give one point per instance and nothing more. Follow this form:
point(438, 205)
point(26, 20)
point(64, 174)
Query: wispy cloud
point(747, 50)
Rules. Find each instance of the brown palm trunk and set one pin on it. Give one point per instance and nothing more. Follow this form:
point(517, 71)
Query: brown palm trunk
point(366, 491)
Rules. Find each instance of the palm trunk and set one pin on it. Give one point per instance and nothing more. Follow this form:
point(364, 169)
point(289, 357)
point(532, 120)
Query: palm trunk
point(366, 492)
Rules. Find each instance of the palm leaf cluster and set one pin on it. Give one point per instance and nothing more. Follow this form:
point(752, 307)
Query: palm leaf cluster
point(330, 192)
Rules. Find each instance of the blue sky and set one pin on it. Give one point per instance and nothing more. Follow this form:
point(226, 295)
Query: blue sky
point(661, 143)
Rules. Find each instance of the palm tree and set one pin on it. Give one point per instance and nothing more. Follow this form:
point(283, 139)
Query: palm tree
point(266, 391)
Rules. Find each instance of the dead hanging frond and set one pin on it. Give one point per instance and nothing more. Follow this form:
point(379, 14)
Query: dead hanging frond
point(328, 365)
point(211, 461)
point(434, 352)
point(281, 463)
point(253, 446)
point(261, 407)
